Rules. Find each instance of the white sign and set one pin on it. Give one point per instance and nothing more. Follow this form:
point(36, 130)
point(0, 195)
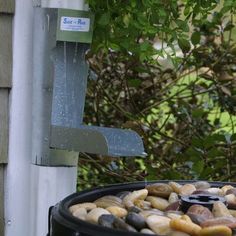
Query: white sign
point(75, 24)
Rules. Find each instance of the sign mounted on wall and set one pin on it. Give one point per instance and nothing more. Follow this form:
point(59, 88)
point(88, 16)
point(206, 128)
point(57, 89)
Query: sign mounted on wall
point(75, 26)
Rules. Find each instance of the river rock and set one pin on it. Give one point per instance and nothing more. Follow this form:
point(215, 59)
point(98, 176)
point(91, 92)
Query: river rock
point(225, 220)
point(199, 214)
point(225, 188)
point(94, 214)
point(80, 213)
point(122, 194)
point(202, 185)
point(146, 231)
point(187, 189)
point(173, 198)
point(117, 211)
point(231, 201)
point(120, 224)
point(174, 214)
point(231, 191)
point(135, 209)
point(186, 218)
point(86, 205)
point(232, 212)
point(219, 230)
point(219, 209)
point(185, 226)
point(175, 186)
point(159, 224)
point(129, 199)
point(177, 233)
point(106, 220)
point(158, 203)
point(136, 220)
point(216, 191)
point(175, 206)
point(145, 205)
point(159, 190)
point(147, 213)
point(108, 201)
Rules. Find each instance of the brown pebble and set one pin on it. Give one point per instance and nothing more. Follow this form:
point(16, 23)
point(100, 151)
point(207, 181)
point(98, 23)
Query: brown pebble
point(117, 211)
point(146, 231)
point(173, 197)
point(175, 186)
point(199, 214)
point(202, 185)
point(158, 203)
point(178, 233)
point(231, 191)
point(219, 209)
point(145, 205)
point(94, 214)
point(175, 206)
point(231, 201)
point(107, 201)
point(159, 190)
point(80, 213)
point(225, 188)
point(86, 205)
point(219, 230)
point(185, 226)
point(159, 224)
point(216, 191)
point(147, 213)
point(225, 220)
point(187, 189)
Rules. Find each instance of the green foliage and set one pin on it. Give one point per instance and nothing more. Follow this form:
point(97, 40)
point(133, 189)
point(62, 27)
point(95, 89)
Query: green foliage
point(165, 69)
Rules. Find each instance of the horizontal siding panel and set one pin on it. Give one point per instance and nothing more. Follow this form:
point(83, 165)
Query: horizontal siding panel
point(4, 125)
point(5, 50)
point(7, 6)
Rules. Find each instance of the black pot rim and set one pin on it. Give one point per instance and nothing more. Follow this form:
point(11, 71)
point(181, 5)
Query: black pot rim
point(89, 228)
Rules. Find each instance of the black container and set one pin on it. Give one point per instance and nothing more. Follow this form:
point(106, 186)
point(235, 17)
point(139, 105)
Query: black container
point(62, 223)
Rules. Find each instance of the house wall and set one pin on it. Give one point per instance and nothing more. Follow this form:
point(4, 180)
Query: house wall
point(7, 8)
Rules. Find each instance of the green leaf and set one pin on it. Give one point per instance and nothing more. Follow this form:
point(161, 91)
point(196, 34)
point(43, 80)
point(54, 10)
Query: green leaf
point(198, 166)
point(186, 10)
point(184, 45)
point(197, 142)
point(198, 113)
point(183, 25)
point(114, 46)
point(134, 82)
point(172, 174)
point(195, 38)
point(104, 19)
point(229, 26)
point(213, 153)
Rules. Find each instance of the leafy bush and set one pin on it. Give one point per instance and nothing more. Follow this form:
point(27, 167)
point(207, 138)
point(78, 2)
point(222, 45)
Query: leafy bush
point(165, 69)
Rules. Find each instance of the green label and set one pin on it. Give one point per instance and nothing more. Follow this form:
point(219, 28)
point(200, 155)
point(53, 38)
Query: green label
point(75, 26)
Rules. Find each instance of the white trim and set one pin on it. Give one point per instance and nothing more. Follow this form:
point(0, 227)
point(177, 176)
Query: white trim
point(29, 189)
point(49, 186)
point(17, 185)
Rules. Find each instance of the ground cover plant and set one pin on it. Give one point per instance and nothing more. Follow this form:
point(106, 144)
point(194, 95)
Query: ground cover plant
point(166, 69)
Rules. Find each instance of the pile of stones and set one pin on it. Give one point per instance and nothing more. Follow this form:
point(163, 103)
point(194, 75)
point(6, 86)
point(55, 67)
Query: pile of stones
point(157, 210)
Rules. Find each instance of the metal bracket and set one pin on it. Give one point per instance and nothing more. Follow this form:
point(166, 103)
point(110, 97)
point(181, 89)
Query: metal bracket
point(59, 87)
point(98, 140)
point(66, 4)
